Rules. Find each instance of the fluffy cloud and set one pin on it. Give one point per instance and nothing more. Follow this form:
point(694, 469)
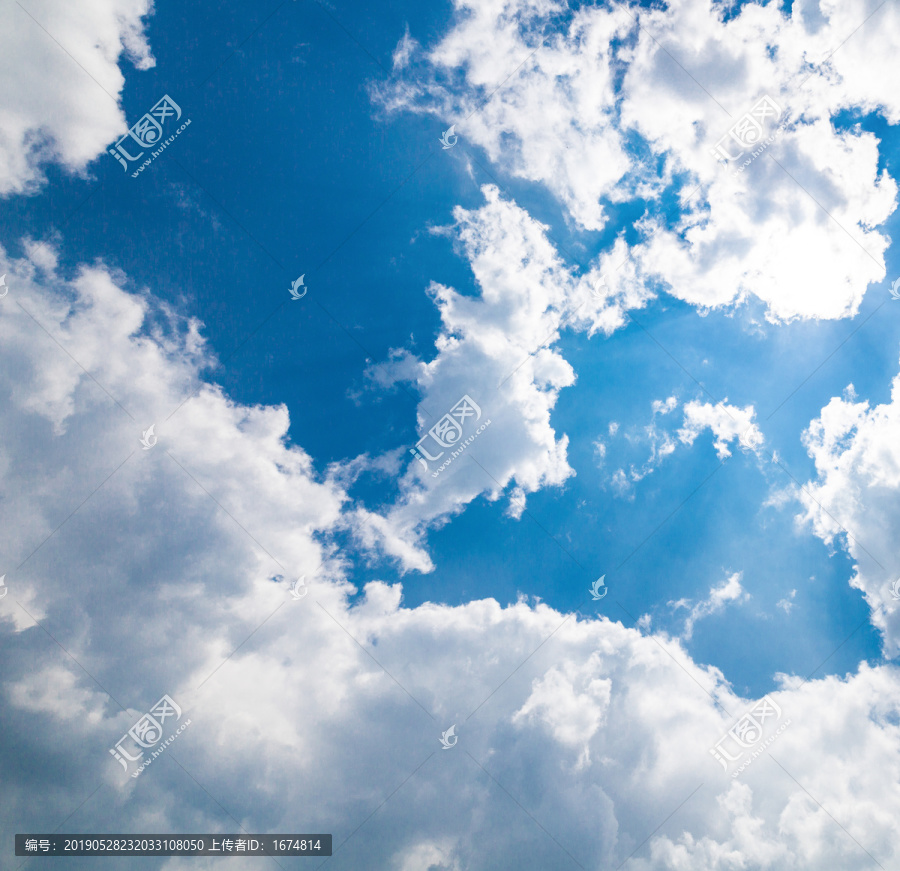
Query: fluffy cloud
point(855, 497)
point(493, 348)
point(96, 376)
point(166, 570)
point(578, 736)
point(572, 143)
point(57, 61)
point(625, 103)
point(727, 422)
point(794, 227)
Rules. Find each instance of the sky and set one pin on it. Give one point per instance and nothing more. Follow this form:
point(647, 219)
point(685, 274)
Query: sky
point(480, 419)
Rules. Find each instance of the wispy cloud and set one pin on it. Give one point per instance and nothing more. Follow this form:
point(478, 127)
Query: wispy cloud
point(728, 592)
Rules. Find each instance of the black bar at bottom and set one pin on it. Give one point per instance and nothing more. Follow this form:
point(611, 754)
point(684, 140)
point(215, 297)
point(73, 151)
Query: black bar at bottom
point(173, 845)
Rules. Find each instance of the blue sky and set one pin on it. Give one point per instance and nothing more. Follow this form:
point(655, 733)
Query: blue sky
point(314, 149)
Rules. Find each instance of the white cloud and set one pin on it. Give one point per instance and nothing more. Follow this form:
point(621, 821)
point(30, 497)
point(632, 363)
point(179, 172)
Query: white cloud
point(494, 348)
point(796, 229)
point(91, 424)
point(727, 422)
point(797, 235)
point(601, 736)
point(787, 603)
point(571, 706)
point(855, 497)
point(572, 139)
point(404, 51)
point(622, 484)
point(730, 590)
point(661, 406)
point(56, 60)
point(661, 445)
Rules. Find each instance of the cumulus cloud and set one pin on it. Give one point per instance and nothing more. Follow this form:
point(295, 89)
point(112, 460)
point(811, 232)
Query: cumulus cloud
point(88, 371)
point(167, 570)
point(625, 103)
point(573, 139)
point(661, 406)
point(854, 500)
point(576, 736)
point(60, 65)
point(754, 229)
point(493, 348)
point(727, 422)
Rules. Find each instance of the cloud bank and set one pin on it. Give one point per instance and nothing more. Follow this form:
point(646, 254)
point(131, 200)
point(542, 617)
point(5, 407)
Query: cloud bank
point(317, 713)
